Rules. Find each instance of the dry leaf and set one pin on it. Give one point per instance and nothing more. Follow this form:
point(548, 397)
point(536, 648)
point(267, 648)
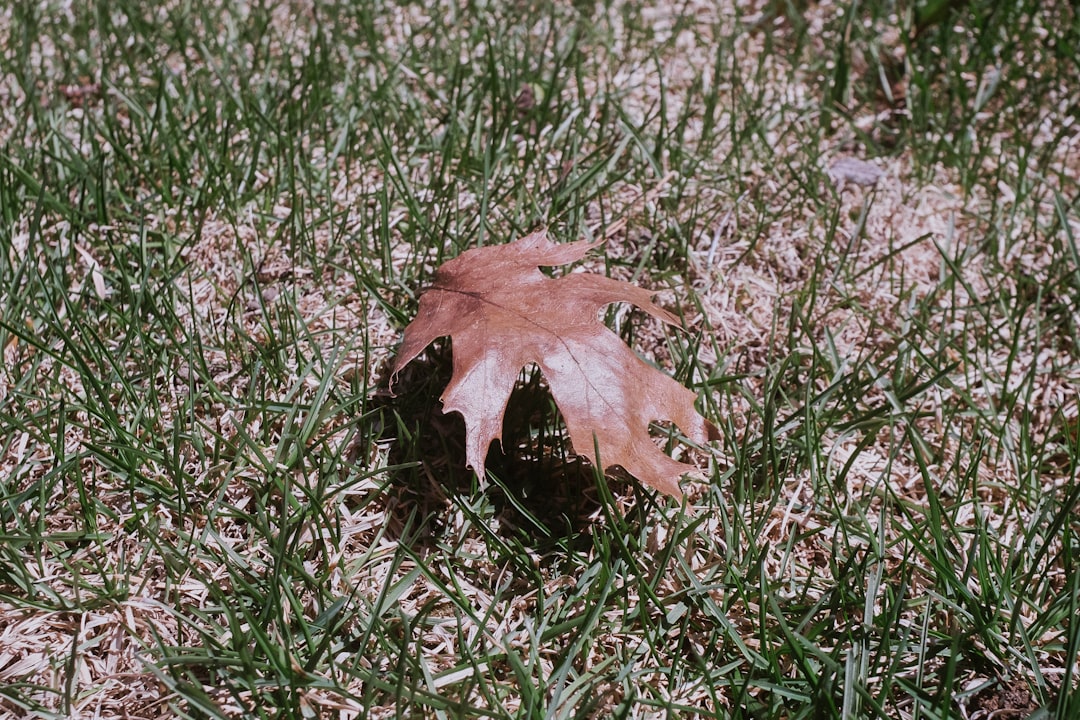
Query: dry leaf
point(849, 169)
point(95, 271)
point(502, 314)
point(79, 94)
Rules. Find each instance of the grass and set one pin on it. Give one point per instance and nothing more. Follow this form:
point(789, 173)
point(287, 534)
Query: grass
point(215, 222)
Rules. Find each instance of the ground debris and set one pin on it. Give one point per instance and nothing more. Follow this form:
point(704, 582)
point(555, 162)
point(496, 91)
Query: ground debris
point(847, 169)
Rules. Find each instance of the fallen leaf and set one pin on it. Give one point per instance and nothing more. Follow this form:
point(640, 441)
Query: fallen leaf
point(502, 314)
point(95, 271)
point(79, 94)
point(848, 169)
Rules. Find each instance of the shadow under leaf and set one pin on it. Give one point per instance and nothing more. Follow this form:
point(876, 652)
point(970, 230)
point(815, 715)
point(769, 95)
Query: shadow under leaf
point(542, 494)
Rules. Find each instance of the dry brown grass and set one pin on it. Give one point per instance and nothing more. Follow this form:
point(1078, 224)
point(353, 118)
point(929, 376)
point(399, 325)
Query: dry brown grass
point(778, 270)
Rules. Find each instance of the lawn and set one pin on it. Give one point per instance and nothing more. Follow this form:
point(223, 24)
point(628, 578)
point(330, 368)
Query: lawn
point(216, 220)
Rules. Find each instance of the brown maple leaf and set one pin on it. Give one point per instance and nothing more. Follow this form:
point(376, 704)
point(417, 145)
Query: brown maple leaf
point(502, 314)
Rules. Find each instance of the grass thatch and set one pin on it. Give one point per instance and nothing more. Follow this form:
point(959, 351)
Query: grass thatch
point(215, 219)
